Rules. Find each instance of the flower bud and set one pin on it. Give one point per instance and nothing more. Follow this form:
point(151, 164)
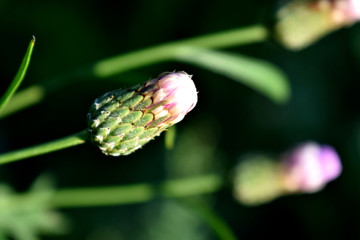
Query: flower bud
point(121, 121)
point(306, 169)
point(257, 180)
point(302, 22)
point(309, 167)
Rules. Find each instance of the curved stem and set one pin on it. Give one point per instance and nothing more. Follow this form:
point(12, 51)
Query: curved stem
point(170, 51)
point(136, 193)
point(47, 147)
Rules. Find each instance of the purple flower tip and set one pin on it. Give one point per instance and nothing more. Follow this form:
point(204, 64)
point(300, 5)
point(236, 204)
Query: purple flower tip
point(177, 92)
point(310, 166)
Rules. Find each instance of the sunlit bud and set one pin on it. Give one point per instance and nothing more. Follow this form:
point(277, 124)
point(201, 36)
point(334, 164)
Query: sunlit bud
point(121, 121)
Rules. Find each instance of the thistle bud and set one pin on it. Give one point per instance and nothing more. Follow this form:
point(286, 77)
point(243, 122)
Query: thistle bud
point(309, 167)
point(302, 22)
point(121, 121)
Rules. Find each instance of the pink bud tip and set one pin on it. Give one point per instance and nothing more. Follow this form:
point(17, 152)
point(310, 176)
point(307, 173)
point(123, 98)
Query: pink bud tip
point(310, 166)
point(176, 94)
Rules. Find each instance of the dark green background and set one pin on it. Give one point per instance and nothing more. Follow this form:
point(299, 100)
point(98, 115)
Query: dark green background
point(229, 120)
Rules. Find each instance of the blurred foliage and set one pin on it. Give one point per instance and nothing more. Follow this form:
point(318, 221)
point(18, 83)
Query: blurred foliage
point(185, 161)
point(26, 216)
point(170, 216)
point(229, 120)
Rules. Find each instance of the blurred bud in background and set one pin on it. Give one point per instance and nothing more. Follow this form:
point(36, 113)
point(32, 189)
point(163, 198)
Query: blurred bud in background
point(302, 22)
point(305, 169)
point(258, 179)
point(309, 167)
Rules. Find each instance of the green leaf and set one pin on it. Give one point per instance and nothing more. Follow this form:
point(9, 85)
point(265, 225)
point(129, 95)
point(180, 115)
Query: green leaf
point(19, 75)
point(164, 52)
point(257, 74)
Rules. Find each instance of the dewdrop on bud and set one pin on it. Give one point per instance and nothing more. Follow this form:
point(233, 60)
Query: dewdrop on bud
point(309, 167)
point(302, 22)
point(121, 121)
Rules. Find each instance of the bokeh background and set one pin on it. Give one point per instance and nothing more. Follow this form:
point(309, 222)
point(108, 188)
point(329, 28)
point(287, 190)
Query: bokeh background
point(229, 121)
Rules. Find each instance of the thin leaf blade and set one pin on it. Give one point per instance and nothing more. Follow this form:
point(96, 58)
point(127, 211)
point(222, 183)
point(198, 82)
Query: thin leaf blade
point(19, 75)
point(257, 74)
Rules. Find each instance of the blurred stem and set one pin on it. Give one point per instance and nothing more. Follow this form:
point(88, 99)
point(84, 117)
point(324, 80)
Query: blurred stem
point(168, 51)
point(136, 193)
point(47, 147)
point(220, 227)
point(23, 99)
point(170, 136)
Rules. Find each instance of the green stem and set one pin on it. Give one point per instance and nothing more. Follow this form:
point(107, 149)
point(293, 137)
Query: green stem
point(170, 51)
point(136, 193)
point(55, 145)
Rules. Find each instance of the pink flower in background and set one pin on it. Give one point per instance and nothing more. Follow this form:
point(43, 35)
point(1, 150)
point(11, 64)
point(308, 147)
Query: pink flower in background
point(346, 11)
point(307, 168)
point(310, 166)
